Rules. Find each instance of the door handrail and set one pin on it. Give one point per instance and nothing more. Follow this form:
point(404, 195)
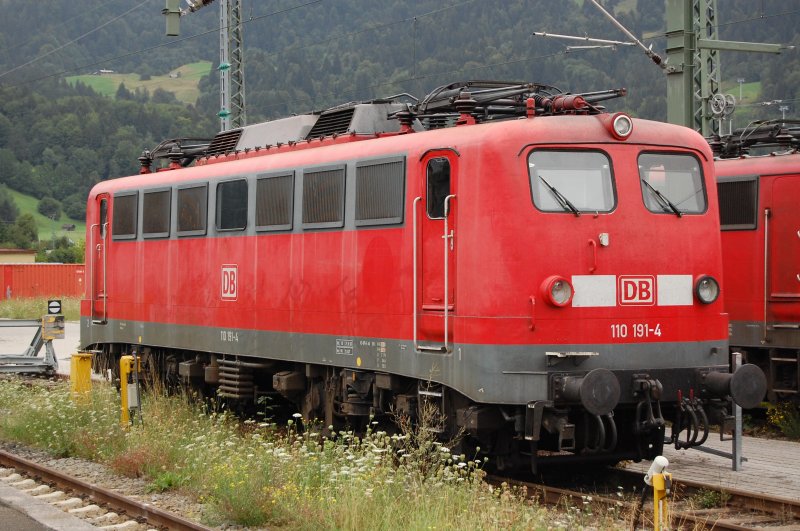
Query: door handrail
point(448, 247)
point(415, 282)
point(765, 338)
point(92, 292)
point(414, 254)
point(105, 271)
point(103, 230)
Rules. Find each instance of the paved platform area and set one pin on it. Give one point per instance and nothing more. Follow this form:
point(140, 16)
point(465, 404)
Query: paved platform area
point(12, 519)
point(20, 511)
point(772, 466)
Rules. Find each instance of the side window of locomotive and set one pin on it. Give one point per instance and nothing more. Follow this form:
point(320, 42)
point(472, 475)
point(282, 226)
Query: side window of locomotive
point(438, 186)
point(672, 183)
point(274, 202)
point(192, 210)
point(232, 205)
point(571, 181)
point(323, 198)
point(103, 217)
point(379, 192)
point(123, 225)
point(155, 213)
point(738, 202)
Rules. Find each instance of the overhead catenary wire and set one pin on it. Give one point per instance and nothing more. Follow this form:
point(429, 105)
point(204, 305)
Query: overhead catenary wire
point(76, 39)
point(151, 48)
point(80, 15)
point(344, 93)
point(249, 20)
point(733, 22)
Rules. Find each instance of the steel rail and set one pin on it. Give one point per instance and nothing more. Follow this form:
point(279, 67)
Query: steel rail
point(132, 508)
point(716, 519)
point(748, 500)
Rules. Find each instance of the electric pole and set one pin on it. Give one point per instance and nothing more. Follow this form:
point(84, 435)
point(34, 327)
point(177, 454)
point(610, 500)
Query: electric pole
point(231, 55)
point(693, 63)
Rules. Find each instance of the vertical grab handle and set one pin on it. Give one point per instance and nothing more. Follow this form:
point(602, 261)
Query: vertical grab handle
point(104, 235)
point(448, 245)
point(593, 245)
point(93, 254)
point(414, 258)
point(764, 338)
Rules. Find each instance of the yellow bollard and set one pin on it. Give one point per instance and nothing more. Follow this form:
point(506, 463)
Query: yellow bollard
point(80, 376)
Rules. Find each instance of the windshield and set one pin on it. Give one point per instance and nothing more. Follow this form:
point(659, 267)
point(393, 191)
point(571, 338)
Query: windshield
point(571, 181)
point(672, 183)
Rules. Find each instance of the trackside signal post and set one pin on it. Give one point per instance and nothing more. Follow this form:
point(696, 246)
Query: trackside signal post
point(129, 367)
point(660, 480)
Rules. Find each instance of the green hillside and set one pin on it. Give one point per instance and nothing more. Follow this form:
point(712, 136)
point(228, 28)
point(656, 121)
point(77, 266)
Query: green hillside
point(183, 81)
point(48, 227)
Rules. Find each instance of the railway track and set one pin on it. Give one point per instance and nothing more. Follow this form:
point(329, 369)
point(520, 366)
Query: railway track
point(100, 507)
point(735, 510)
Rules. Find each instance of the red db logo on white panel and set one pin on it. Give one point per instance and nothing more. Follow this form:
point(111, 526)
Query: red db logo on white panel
point(637, 290)
point(230, 282)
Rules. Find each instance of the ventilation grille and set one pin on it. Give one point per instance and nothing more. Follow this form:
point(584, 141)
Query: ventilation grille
point(738, 204)
point(323, 199)
point(379, 193)
point(274, 202)
point(224, 142)
point(337, 122)
point(124, 223)
point(155, 213)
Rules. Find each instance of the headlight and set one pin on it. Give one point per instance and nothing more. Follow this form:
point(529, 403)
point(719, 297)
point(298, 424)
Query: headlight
point(557, 290)
point(707, 289)
point(622, 126)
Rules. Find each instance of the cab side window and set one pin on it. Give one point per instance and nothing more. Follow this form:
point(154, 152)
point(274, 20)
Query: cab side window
point(438, 186)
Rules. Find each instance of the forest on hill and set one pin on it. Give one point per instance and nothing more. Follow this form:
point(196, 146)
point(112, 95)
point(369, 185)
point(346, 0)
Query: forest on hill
point(58, 139)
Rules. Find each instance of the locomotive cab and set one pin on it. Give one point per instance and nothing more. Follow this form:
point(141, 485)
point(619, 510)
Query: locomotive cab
point(604, 246)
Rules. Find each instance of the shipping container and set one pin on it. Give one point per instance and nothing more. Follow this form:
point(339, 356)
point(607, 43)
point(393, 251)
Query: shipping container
point(41, 280)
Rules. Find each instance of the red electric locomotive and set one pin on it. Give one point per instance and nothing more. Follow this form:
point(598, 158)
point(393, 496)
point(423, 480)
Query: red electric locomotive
point(543, 274)
point(758, 176)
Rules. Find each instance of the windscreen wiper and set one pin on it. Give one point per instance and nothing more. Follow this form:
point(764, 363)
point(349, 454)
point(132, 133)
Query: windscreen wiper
point(665, 202)
point(562, 200)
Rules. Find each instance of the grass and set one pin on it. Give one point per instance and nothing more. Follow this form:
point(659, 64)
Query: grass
point(710, 499)
point(47, 227)
point(37, 307)
point(751, 92)
point(262, 474)
point(785, 416)
point(184, 87)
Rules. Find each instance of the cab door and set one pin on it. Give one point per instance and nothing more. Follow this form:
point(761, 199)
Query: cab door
point(784, 257)
point(99, 237)
point(435, 211)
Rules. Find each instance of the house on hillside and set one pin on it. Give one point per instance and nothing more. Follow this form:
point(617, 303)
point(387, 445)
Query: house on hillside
point(17, 256)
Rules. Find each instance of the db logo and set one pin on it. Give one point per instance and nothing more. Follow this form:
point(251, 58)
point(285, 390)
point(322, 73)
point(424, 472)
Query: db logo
point(230, 281)
point(637, 291)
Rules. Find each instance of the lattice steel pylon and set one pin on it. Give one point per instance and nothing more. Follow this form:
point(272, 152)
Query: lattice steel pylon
point(231, 66)
point(231, 55)
point(706, 66)
point(693, 67)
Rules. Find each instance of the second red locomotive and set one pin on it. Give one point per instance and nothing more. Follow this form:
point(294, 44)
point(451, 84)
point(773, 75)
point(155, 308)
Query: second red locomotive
point(758, 174)
point(542, 273)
